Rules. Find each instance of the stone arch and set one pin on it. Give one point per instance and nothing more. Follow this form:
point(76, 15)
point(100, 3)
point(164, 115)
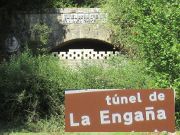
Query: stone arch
point(85, 43)
point(85, 48)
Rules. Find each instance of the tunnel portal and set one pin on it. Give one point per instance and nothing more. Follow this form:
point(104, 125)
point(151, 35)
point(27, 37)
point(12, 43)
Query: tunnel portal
point(95, 44)
point(85, 49)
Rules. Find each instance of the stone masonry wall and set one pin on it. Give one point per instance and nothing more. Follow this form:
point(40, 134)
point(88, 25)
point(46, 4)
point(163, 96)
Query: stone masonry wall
point(66, 24)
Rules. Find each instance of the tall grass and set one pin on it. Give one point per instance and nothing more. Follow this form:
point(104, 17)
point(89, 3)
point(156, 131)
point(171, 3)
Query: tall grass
point(32, 87)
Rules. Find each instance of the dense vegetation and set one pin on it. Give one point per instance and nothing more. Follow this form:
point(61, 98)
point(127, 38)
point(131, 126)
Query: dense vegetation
point(31, 91)
point(150, 29)
point(40, 4)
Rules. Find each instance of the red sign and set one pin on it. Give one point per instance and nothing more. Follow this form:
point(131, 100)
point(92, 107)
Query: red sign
point(119, 110)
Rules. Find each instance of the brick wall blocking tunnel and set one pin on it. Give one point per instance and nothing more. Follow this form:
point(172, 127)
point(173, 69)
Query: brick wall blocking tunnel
point(85, 49)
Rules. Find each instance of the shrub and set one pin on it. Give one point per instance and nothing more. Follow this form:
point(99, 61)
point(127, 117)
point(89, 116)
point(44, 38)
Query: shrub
point(118, 72)
point(30, 88)
point(150, 28)
point(41, 34)
point(75, 3)
point(54, 124)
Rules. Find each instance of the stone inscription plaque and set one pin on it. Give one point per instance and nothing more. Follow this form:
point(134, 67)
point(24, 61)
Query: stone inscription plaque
point(82, 18)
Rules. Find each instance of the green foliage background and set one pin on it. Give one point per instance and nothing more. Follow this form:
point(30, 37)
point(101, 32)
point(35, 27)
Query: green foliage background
point(41, 34)
point(40, 4)
point(32, 87)
point(148, 29)
point(29, 89)
point(151, 30)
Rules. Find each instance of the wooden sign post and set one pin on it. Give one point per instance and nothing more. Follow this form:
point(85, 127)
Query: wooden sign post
point(120, 110)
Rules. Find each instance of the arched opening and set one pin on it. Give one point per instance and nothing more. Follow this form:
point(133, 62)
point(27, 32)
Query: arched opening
point(85, 49)
point(95, 44)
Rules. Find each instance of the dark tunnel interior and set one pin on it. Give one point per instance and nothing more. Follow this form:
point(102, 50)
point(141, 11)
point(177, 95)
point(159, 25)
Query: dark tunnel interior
point(95, 44)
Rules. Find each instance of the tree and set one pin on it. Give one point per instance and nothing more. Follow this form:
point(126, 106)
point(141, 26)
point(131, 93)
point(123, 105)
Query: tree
point(39, 4)
point(151, 28)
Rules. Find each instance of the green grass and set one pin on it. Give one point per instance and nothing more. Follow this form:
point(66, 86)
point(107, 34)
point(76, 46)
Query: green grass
point(115, 133)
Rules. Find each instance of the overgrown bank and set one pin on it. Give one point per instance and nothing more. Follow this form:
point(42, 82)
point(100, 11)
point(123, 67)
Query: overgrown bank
point(32, 87)
point(150, 30)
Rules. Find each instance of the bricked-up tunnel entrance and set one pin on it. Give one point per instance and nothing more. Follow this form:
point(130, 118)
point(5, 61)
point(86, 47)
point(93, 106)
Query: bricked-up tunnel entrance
point(85, 49)
point(95, 44)
point(76, 33)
